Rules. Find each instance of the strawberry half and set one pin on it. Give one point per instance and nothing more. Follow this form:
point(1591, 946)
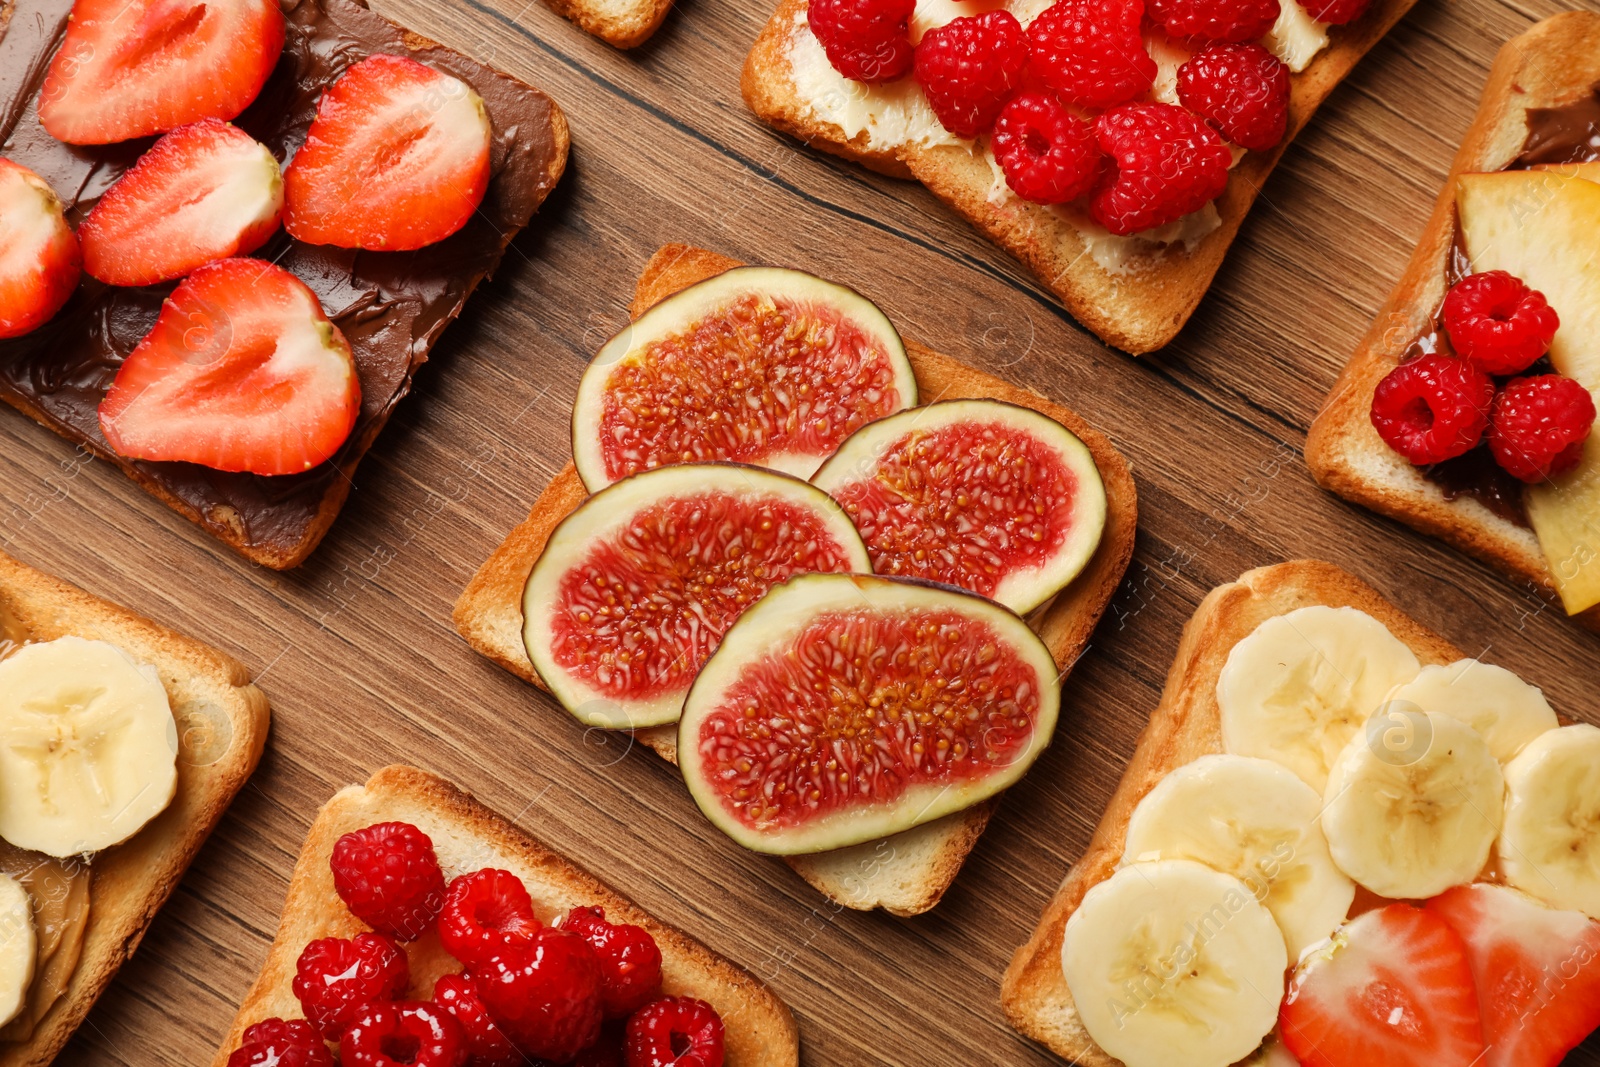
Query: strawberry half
point(241, 372)
point(1535, 968)
point(1393, 987)
point(131, 68)
point(38, 252)
point(205, 191)
point(397, 158)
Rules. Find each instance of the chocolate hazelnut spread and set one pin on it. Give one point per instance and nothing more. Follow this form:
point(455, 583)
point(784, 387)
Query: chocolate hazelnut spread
point(392, 306)
point(1569, 134)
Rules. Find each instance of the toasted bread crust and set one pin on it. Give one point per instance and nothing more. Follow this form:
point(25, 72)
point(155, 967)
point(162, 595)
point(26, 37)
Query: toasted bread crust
point(905, 874)
point(621, 29)
point(222, 721)
point(1138, 311)
point(1553, 63)
point(1186, 725)
point(761, 1032)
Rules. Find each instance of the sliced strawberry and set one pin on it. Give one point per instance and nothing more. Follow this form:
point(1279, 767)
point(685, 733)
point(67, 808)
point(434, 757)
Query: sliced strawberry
point(205, 191)
point(38, 251)
point(397, 158)
point(1537, 971)
point(242, 372)
point(1392, 988)
point(131, 68)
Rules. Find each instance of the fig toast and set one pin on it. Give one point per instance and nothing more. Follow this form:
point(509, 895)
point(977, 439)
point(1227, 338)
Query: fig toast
point(1554, 64)
point(905, 874)
point(760, 1031)
point(1141, 305)
point(1185, 726)
point(222, 728)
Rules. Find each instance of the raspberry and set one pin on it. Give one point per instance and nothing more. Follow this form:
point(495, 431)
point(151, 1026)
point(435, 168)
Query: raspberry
point(1241, 89)
point(1498, 323)
point(1091, 51)
point(285, 1031)
point(336, 977)
point(866, 40)
point(403, 1033)
point(1538, 425)
point(1336, 12)
point(280, 1054)
point(1049, 154)
point(630, 962)
point(389, 877)
point(544, 995)
point(1432, 408)
point(970, 67)
point(483, 912)
point(659, 1030)
point(1166, 163)
point(486, 1045)
point(1201, 22)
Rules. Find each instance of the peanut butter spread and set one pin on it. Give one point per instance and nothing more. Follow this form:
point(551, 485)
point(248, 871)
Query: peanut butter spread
point(60, 893)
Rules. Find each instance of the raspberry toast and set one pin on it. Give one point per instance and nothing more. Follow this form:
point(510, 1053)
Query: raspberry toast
point(1134, 293)
point(1190, 731)
point(222, 728)
point(1553, 67)
point(468, 837)
point(390, 307)
point(907, 873)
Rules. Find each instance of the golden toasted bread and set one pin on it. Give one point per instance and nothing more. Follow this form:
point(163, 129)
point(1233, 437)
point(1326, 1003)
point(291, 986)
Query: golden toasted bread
point(907, 873)
point(222, 726)
point(467, 836)
point(1137, 309)
point(1186, 725)
point(619, 23)
point(1557, 62)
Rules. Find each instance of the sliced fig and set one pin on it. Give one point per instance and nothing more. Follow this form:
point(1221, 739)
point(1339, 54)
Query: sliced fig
point(993, 497)
point(636, 587)
point(841, 708)
point(756, 365)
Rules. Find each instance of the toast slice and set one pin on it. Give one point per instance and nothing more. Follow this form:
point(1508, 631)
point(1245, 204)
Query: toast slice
point(1186, 725)
point(619, 23)
point(1140, 306)
point(905, 874)
point(1555, 63)
point(391, 306)
point(468, 836)
point(222, 726)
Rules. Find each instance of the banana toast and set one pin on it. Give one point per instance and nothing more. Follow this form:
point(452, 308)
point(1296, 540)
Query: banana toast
point(1554, 64)
point(905, 874)
point(1184, 726)
point(1140, 304)
point(760, 1032)
point(222, 726)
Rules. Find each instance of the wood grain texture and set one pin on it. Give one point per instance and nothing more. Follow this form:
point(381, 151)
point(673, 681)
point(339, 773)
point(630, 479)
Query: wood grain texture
point(358, 655)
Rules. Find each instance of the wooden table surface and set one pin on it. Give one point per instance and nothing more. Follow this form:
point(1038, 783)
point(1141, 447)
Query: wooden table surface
point(356, 650)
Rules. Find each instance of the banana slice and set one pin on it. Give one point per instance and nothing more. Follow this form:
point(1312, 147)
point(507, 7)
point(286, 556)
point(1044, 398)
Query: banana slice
point(18, 947)
point(1301, 684)
point(1413, 805)
point(1549, 847)
point(1507, 711)
point(1253, 819)
point(88, 747)
point(1173, 962)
